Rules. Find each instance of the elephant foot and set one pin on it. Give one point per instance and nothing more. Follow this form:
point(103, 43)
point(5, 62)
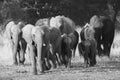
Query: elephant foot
point(21, 64)
point(92, 64)
point(15, 64)
point(68, 67)
point(42, 72)
point(34, 72)
point(86, 65)
point(22, 61)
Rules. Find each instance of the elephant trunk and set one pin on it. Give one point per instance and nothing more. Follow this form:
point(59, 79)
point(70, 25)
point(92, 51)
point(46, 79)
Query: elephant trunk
point(39, 41)
point(15, 46)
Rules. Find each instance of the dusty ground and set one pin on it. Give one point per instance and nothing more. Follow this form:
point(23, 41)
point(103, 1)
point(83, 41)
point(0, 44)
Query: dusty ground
point(106, 69)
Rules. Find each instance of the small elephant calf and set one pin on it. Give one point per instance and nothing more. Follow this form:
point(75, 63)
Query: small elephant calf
point(88, 49)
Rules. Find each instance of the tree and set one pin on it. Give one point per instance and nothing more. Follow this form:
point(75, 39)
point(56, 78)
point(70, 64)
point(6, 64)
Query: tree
point(79, 10)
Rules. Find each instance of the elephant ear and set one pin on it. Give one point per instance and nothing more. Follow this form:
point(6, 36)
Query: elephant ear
point(68, 26)
point(42, 22)
point(56, 22)
point(8, 29)
point(21, 25)
point(89, 33)
point(96, 22)
point(52, 22)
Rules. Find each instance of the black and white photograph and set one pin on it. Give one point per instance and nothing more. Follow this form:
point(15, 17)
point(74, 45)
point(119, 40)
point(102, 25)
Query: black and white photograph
point(59, 39)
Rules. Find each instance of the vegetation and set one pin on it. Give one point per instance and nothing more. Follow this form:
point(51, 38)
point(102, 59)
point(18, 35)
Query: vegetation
point(31, 10)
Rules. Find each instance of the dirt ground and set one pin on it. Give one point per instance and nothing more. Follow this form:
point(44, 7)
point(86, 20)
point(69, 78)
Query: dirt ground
point(106, 68)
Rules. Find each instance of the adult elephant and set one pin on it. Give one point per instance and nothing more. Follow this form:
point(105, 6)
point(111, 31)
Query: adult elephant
point(54, 38)
point(64, 24)
point(27, 35)
point(104, 33)
point(37, 38)
point(13, 34)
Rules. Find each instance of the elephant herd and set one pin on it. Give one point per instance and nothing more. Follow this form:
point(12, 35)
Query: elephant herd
point(52, 42)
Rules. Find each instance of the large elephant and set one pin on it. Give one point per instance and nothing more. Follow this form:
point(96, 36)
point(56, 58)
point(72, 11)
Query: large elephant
point(104, 33)
point(54, 37)
point(13, 34)
point(37, 38)
point(64, 24)
point(27, 35)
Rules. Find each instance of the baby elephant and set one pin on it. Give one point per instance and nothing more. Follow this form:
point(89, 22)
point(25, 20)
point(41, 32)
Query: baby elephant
point(69, 43)
point(88, 49)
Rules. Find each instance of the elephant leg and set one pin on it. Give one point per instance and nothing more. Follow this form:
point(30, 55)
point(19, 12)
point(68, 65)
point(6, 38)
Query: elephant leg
point(81, 48)
point(28, 53)
point(15, 54)
point(18, 55)
point(65, 58)
point(69, 59)
point(93, 52)
point(52, 58)
point(58, 59)
point(86, 60)
point(46, 58)
point(61, 59)
point(40, 56)
point(46, 65)
point(106, 49)
point(64, 62)
point(73, 53)
point(86, 55)
point(33, 59)
point(56, 56)
point(100, 51)
point(109, 48)
point(22, 57)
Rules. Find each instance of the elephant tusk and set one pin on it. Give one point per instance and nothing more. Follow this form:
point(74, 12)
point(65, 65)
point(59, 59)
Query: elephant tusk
point(44, 44)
